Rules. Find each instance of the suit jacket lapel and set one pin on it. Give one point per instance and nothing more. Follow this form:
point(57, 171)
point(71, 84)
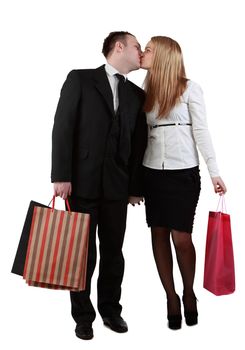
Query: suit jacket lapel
point(103, 86)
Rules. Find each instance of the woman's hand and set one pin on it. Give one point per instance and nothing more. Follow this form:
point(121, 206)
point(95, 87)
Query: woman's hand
point(219, 186)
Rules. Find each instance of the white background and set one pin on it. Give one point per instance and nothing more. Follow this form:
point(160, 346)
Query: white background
point(41, 41)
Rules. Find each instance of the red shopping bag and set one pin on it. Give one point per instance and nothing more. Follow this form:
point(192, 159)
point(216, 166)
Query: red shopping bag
point(219, 271)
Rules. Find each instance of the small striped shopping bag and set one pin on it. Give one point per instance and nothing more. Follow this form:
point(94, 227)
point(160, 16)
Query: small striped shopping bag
point(56, 250)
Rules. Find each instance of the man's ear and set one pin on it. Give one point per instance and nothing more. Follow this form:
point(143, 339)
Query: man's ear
point(119, 46)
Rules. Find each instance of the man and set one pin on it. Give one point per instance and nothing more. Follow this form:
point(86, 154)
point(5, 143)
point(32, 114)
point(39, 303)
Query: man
point(98, 138)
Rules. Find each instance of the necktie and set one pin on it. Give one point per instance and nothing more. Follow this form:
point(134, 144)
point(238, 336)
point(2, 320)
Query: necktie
point(120, 77)
point(123, 117)
point(121, 89)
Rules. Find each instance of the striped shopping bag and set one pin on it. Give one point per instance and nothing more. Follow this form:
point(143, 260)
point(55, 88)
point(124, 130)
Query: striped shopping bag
point(57, 248)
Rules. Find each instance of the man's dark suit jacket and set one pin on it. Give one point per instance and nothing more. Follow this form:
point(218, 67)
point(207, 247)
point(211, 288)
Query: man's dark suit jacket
point(80, 134)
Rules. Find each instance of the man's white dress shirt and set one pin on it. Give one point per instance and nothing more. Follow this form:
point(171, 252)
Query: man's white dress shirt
point(113, 80)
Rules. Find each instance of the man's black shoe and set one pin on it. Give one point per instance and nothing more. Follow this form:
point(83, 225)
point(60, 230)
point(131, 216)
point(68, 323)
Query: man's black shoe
point(117, 324)
point(84, 331)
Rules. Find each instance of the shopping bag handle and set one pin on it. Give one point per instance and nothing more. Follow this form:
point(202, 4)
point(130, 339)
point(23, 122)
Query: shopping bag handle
point(221, 204)
point(53, 203)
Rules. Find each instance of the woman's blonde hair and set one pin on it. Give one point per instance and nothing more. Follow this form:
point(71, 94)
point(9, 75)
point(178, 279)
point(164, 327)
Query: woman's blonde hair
point(166, 80)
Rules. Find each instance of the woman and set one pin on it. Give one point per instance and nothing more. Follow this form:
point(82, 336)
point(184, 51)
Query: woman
point(177, 125)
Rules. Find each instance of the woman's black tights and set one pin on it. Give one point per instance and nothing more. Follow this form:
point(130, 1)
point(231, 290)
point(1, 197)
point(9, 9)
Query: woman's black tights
point(186, 258)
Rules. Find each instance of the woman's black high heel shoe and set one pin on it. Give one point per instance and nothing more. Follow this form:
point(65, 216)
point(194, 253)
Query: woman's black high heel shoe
point(174, 320)
point(191, 314)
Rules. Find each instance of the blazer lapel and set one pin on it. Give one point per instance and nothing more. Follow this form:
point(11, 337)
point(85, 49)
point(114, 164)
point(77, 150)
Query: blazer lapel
point(103, 86)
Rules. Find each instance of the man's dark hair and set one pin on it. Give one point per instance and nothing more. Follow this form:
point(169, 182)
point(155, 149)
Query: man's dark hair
point(112, 38)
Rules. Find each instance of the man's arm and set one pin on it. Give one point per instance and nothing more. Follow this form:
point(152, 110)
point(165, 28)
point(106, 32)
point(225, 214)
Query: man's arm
point(62, 135)
point(139, 143)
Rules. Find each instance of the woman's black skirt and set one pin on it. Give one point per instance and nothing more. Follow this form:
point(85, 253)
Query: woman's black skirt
point(171, 197)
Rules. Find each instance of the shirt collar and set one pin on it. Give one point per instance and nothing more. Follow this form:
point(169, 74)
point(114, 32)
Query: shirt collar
point(110, 70)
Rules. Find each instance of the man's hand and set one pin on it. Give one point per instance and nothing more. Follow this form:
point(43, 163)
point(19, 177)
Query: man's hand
point(135, 200)
point(62, 189)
